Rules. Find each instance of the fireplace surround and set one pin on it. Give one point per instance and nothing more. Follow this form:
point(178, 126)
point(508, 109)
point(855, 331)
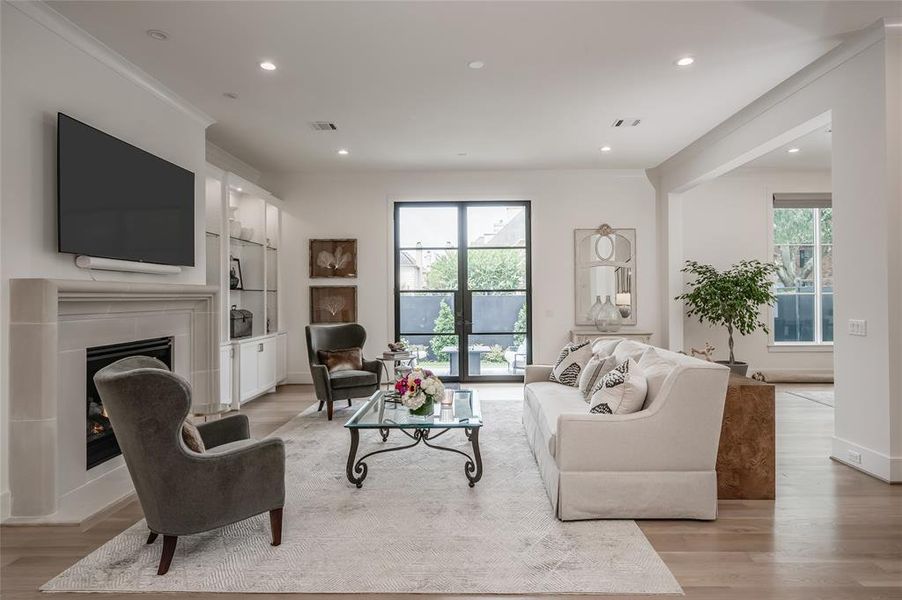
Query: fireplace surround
point(53, 323)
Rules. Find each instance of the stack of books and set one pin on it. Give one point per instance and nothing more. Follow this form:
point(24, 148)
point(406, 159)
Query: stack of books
point(402, 355)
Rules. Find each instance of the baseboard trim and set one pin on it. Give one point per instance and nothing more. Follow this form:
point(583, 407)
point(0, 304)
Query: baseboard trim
point(299, 377)
point(876, 464)
point(5, 498)
point(796, 375)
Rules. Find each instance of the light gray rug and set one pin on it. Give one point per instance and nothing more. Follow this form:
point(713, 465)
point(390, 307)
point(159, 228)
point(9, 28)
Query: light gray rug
point(824, 397)
point(414, 527)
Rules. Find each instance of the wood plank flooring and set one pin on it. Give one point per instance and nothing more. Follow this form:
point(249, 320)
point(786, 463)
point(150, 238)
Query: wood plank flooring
point(832, 534)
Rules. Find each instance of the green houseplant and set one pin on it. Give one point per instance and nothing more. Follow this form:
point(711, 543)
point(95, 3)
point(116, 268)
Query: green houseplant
point(732, 298)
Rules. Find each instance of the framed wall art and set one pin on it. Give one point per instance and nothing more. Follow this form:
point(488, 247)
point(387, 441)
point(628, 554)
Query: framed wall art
point(333, 258)
point(333, 304)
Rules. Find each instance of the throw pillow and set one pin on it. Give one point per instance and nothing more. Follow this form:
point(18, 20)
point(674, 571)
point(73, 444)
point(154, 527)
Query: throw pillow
point(630, 349)
point(191, 437)
point(620, 392)
point(656, 368)
point(597, 367)
point(605, 346)
point(349, 359)
point(570, 364)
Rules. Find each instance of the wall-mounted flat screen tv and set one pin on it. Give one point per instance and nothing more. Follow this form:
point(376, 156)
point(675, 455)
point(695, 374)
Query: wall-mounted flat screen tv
point(118, 201)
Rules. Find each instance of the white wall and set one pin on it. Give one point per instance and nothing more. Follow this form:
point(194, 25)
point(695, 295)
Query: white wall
point(856, 86)
point(359, 206)
point(43, 73)
point(727, 220)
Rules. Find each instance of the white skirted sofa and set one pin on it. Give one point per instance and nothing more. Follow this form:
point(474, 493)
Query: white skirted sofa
point(658, 463)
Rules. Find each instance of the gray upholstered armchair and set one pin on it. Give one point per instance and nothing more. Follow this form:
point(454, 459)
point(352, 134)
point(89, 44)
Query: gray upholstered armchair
point(340, 385)
point(181, 491)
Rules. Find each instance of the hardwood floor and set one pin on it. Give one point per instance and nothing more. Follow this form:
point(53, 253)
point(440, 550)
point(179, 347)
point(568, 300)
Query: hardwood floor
point(832, 534)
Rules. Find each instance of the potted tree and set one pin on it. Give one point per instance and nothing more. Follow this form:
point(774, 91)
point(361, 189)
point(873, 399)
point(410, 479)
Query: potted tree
point(732, 298)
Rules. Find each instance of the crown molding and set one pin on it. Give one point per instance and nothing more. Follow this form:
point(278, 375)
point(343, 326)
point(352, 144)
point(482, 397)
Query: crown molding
point(39, 12)
point(227, 161)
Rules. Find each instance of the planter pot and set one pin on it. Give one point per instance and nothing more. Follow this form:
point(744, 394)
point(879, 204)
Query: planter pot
point(739, 368)
point(424, 411)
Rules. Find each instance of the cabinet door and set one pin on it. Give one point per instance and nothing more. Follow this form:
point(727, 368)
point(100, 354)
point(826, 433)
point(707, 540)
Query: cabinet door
point(248, 370)
point(266, 366)
point(225, 374)
point(281, 357)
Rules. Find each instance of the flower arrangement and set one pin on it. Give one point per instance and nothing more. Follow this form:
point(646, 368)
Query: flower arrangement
point(419, 391)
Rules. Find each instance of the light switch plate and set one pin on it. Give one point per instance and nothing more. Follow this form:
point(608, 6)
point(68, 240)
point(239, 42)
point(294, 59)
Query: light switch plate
point(858, 327)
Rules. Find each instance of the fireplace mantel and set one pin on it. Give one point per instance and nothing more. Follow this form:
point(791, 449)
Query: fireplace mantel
point(52, 322)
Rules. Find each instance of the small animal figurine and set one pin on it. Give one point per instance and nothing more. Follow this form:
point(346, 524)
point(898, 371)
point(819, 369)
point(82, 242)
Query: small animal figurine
point(397, 346)
point(706, 353)
point(759, 376)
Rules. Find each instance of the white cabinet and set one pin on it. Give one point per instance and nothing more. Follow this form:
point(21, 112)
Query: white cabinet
point(225, 374)
point(266, 364)
point(247, 370)
point(281, 357)
point(257, 364)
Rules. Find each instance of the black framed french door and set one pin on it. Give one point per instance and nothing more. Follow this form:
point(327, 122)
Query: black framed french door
point(463, 287)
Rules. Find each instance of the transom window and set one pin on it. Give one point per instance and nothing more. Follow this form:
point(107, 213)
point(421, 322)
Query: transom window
point(803, 254)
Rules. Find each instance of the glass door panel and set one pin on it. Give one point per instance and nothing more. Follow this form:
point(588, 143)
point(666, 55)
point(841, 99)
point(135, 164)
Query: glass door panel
point(427, 310)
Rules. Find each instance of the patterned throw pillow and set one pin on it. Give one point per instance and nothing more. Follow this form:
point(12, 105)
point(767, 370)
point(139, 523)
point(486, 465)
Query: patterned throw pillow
point(620, 392)
point(570, 364)
point(595, 369)
point(191, 437)
point(349, 359)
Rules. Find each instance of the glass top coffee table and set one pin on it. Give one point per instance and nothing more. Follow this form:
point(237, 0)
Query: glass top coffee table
point(385, 415)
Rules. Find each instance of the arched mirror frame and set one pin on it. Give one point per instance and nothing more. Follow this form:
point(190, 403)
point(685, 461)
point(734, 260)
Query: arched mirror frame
point(586, 258)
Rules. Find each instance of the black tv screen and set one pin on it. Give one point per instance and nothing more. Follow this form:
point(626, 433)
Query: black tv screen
point(118, 201)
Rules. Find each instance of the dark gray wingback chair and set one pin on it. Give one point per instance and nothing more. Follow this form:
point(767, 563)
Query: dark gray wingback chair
point(184, 492)
point(341, 385)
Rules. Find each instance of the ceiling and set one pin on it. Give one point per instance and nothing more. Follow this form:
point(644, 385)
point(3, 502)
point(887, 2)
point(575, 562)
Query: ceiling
point(393, 76)
point(815, 150)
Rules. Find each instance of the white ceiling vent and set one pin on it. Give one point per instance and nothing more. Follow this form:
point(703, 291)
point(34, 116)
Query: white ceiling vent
point(628, 122)
point(323, 126)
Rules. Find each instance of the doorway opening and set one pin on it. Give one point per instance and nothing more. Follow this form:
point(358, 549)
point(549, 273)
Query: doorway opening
point(463, 287)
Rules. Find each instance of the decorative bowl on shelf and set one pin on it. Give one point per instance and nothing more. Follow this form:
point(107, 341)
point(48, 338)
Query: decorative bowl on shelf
point(247, 233)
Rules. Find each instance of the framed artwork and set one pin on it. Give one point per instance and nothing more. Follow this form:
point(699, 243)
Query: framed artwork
point(236, 281)
point(333, 304)
point(333, 258)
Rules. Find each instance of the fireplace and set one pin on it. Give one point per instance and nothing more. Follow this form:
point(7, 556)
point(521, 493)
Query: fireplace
point(101, 441)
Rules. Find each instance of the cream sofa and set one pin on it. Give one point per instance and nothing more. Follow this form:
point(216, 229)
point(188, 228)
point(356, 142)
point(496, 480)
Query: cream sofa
point(658, 463)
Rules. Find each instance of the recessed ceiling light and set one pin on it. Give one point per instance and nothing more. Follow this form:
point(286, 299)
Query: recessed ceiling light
point(684, 61)
point(267, 66)
point(230, 95)
point(605, 148)
point(158, 35)
point(343, 152)
point(238, 189)
point(793, 150)
point(476, 64)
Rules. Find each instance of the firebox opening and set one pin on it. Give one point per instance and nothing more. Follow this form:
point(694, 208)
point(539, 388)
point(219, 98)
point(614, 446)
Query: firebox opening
point(101, 441)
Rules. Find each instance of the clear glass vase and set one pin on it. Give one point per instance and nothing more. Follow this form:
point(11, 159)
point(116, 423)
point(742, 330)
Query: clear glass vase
point(606, 315)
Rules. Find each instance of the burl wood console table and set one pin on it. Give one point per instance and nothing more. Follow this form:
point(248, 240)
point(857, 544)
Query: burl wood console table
point(746, 459)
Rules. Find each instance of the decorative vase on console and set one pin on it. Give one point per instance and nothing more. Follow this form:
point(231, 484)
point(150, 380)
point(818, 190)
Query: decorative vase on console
point(605, 315)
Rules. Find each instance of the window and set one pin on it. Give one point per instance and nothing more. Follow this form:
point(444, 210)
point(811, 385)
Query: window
point(803, 253)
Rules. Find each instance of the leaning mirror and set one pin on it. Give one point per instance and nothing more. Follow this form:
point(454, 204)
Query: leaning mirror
point(605, 277)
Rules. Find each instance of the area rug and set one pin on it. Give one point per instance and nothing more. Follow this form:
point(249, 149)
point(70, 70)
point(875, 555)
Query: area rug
point(414, 527)
point(824, 397)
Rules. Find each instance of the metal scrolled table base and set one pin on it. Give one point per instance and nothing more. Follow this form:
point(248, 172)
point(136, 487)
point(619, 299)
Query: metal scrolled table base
point(357, 468)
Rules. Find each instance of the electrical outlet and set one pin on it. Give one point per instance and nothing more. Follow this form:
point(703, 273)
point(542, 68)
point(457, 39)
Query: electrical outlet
point(854, 457)
point(858, 327)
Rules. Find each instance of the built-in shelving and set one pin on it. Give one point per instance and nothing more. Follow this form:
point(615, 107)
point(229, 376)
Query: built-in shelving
point(244, 225)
